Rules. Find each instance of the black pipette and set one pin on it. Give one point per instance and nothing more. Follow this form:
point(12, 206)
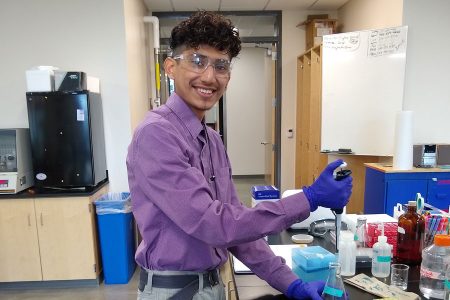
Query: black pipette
point(338, 212)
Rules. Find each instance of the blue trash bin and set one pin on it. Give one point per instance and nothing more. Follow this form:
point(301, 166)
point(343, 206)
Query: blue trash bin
point(115, 228)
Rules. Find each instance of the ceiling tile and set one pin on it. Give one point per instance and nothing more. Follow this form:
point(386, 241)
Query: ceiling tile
point(328, 4)
point(240, 5)
point(189, 5)
point(158, 5)
point(233, 5)
point(290, 4)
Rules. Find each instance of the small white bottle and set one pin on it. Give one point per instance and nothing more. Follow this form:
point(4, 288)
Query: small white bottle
point(381, 258)
point(347, 253)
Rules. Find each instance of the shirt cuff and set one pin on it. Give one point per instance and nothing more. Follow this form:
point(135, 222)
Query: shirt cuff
point(283, 280)
point(296, 208)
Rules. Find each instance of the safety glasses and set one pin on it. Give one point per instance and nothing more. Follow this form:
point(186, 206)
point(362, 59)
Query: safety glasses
point(198, 63)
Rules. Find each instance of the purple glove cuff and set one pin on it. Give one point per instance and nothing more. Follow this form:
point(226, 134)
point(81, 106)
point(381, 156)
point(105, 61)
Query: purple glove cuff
point(309, 193)
point(291, 289)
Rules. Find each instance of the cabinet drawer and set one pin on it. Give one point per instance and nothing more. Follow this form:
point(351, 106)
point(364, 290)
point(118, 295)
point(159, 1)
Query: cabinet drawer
point(402, 191)
point(439, 193)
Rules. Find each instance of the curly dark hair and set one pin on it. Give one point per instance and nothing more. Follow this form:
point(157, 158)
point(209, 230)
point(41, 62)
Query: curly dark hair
point(206, 28)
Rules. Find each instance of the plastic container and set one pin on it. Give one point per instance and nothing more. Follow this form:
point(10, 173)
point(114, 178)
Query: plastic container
point(115, 227)
point(360, 234)
point(410, 236)
point(311, 263)
point(447, 283)
point(347, 253)
point(435, 258)
point(381, 258)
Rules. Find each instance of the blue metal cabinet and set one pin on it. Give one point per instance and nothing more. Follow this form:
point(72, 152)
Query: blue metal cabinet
point(439, 192)
point(383, 189)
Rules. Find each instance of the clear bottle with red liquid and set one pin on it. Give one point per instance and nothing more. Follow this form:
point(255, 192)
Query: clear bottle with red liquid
point(410, 236)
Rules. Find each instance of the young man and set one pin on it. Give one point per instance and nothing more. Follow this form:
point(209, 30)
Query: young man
point(183, 197)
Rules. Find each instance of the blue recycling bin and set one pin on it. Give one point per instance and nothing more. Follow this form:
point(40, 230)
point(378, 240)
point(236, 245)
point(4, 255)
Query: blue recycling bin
point(115, 228)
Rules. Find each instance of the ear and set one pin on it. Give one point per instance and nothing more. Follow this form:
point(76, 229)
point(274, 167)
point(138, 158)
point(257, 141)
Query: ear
point(169, 67)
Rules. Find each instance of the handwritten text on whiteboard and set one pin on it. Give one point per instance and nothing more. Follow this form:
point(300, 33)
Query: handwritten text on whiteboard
point(386, 41)
point(342, 42)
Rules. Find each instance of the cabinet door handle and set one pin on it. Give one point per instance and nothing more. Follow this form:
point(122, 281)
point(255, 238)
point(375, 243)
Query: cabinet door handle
point(229, 289)
point(29, 220)
point(229, 294)
point(42, 220)
point(228, 284)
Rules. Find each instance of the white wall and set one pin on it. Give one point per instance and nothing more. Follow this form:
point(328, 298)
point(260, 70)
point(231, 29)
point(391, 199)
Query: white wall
point(138, 59)
point(293, 45)
point(369, 14)
point(245, 112)
point(73, 35)
point(426, 89)
point(427, 77)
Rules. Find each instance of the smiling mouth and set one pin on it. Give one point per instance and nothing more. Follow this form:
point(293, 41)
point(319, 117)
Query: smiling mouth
point(205, 91)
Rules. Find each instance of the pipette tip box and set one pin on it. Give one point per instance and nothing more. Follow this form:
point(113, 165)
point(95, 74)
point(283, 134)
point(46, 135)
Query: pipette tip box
point(312, 263)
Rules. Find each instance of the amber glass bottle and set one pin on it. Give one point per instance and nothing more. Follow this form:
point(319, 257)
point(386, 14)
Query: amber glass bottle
point(410, 236)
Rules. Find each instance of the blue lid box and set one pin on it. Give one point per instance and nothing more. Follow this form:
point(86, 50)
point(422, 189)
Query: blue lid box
point(311, 263)
point(265, 192)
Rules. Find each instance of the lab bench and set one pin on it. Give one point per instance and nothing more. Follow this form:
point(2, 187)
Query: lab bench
point(385, 187)
point(249, 286)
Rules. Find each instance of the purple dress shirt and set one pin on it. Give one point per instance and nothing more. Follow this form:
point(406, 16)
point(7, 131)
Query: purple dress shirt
point(187, 221)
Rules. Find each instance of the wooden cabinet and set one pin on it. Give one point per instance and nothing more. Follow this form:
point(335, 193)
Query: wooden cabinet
point(48, 238)
point(226, 272)
point(19, 246)
point(309, 161)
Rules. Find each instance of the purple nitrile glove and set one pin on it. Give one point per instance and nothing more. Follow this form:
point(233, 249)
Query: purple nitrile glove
point(300, 290)
point(328, 192)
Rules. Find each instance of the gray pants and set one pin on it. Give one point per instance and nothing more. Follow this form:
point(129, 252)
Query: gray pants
point(216, 292)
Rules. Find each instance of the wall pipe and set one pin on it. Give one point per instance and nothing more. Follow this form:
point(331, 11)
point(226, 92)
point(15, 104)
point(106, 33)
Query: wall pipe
point(155, 22)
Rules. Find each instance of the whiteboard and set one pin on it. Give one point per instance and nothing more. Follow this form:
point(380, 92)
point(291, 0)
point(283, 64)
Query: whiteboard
point(362, 89)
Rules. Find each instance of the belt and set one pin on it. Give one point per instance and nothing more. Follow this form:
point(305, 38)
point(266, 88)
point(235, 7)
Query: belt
point(189, 284)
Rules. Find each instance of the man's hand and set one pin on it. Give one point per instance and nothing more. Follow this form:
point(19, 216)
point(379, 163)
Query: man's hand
point(328, 192)
point(300, 290)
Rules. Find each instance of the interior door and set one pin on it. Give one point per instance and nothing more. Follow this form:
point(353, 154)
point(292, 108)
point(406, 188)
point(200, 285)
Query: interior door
point(270, 120)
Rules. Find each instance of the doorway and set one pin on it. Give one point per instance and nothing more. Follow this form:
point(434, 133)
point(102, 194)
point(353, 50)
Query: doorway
point(262, 29)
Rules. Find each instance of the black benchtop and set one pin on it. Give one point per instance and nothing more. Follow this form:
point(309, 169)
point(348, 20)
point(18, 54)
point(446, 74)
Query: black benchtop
point(249, 286)
point(35, 192)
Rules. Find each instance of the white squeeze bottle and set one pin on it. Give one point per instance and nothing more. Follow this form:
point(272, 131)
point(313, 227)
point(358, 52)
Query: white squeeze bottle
point(347, 253)
point(381, 258)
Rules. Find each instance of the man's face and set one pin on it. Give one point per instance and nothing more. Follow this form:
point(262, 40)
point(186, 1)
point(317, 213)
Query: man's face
point(200, 89)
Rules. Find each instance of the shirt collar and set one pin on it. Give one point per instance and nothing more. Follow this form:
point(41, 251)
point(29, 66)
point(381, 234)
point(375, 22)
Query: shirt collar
point(185, 114)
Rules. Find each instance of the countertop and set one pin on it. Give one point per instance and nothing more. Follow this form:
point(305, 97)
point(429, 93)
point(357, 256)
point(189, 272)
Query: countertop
point(387, 168)
point(34, 192)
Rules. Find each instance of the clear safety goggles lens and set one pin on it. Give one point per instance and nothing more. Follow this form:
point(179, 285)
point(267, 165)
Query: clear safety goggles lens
point(199, 63)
